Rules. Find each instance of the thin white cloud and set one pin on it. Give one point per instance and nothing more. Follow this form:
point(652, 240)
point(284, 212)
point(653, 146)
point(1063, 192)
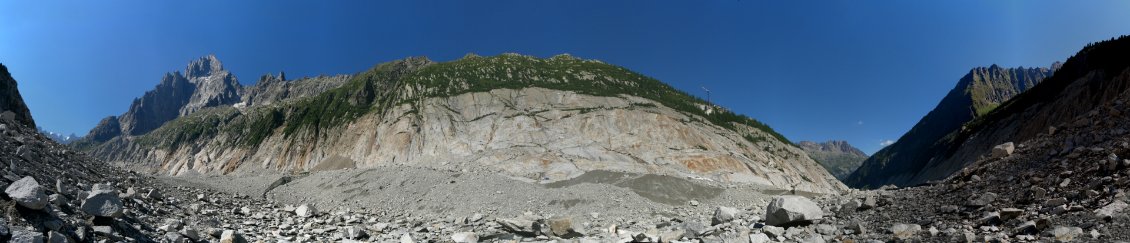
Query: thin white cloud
point(859, 123)
point(885, 143)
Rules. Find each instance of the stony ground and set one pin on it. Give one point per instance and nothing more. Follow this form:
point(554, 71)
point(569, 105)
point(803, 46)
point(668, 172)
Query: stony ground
point(1066, 185)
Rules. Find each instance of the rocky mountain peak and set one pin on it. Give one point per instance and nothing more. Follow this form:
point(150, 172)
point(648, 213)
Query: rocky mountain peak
point(204, 66)
point(11, 103)
point(833, 146)
point(837, 156)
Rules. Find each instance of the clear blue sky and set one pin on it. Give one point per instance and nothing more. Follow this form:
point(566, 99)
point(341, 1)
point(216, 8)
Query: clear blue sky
point(862, 71)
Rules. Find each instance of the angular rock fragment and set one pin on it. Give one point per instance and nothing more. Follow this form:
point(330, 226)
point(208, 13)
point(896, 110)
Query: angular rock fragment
point(27, 193)
point(790, 210)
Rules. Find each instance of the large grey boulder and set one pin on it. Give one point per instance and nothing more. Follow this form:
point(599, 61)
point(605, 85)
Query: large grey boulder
point(103, 203)
point(724, 215)
point(465, 237)
point(27, 193)
point(789, 210)
point(306, 211)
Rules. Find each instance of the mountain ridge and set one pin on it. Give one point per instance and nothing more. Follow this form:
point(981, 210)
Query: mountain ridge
point(462, 104)
point(837, 156)
point(978, 92)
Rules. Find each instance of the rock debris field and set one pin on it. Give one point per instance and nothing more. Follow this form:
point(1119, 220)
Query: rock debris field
point(53, 194)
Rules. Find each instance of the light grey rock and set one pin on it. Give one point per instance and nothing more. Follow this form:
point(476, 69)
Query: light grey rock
point(465, 237)
point(1003, 150)
point(905, 231)
point(1064, 233)
point(103, 203)
point(785, 210)
point(26, 236)
point(230, 236)
point(57, 199)
point(175, 237)
point(354, 232)
point(306, 211)
point(869, 202)
point(825, 229)
point(190, 233)
point(518, 225)
point(1107, 212)
point(406, 238)
point(773, 231)
point(27, 193)
point(759, 238)
point(724, 215)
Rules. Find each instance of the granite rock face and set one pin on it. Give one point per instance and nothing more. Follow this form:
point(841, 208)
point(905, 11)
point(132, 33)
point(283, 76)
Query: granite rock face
point(204, 84)
point(214, 85)
point(11, 101)
point(157, 106)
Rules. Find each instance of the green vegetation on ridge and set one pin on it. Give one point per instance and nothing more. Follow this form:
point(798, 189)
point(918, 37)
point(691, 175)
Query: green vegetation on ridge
point(411, 80)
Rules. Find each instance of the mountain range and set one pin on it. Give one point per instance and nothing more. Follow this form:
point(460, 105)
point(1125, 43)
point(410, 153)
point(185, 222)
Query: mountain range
point(925, 152)
point(1028, 154)
point(837, 156)
point(543, 120)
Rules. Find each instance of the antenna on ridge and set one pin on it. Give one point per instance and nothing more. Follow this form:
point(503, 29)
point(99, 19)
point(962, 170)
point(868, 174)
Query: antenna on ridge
point(707, 93)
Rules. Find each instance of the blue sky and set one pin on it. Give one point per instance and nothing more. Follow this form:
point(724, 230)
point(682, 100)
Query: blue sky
point(862, 71)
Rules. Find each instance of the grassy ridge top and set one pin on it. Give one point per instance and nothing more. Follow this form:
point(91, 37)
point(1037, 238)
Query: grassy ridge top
point(413, 79)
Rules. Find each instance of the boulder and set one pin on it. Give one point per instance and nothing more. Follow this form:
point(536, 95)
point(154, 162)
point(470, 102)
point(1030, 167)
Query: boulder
point(773, 231)
point(27, 193)
point(230, 236)
point(1107, 212)
point(518, 226)
point(306, 211)
point(790, 210)
point(175, 237)
point(724, 215)
point(20, 235)
point(1026, 228)
point(1003, 150)
point(1064, 234)
point(869, 202)
point(465, 237)
point(103, 203)
point(406, 238)
point(1010, 213)
point(354, 232)
point(759, 238)
point(905, 231)
point(564, 227)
